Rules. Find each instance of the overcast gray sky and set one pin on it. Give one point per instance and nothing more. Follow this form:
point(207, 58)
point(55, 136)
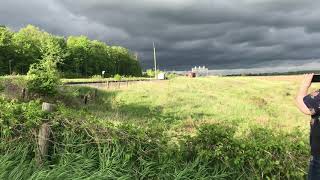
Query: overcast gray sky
point(220, 34)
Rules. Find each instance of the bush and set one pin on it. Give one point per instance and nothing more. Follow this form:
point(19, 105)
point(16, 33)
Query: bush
point(43, 78)
point(151, 72)
point(117, 77)
point(96, 77)
point(263, 153)
point(17, 118)
point(1, 86)
point(132, 152)
point(171, 75)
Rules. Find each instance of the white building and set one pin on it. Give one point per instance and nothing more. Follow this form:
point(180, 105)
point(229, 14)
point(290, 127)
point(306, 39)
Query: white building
point(161, 76)
point(200, 71)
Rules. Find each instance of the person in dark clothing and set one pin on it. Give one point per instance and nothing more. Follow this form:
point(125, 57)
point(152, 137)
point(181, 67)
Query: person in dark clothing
point(310, 104)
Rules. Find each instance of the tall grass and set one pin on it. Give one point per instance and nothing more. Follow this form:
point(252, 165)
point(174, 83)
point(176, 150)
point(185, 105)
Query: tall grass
point(204, 128)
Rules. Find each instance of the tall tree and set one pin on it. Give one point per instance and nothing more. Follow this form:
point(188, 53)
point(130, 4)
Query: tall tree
point(77, 55)
point(78, 51)
point(28, 47)
point(6, 50)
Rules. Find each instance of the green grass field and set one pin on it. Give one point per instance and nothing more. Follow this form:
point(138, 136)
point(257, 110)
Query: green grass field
point(182, 102)
point(183, 128)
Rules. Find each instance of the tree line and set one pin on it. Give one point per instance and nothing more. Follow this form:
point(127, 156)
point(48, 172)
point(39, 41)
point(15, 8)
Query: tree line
point(276, 73)
point(77, 56)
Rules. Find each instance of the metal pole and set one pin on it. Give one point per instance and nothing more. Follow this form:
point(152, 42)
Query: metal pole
point(155, 61)
point(136, 56)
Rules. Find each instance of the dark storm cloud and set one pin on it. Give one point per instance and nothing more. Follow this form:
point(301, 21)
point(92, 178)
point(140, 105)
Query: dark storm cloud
point(219, 34)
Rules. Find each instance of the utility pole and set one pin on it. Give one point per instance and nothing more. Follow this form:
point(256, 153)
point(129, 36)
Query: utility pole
point(155, 61)
point(136, 55)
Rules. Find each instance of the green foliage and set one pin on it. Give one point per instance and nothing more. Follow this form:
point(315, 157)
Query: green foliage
point(19, 118)
point(2, 87)
point(177, 129)
point(89, 149)
point(87, 58)
point(43, 78)
point(77, 56)
point(6, 50)
point(151, 72)
point(28, 44)
point(171, 75)
point(262, 153)
point(117, 77)
point(96, 77)
point(16, 161)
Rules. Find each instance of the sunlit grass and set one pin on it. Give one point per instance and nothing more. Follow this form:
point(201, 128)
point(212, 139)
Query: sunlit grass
point(246, 100)
point(175, 109)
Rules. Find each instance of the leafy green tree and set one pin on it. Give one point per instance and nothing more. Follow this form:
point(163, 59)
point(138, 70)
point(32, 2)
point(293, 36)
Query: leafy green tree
point(55, 47)
point(101, 61)
point(28, 47)
point(75, 56)
point(123, 59)
point(6, 50)
point(32, 44)
point(43, 77)
point(78, 50)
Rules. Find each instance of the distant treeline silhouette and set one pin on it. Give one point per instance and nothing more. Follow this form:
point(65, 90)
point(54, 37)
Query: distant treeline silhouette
point(276, 73)
point(78, 55)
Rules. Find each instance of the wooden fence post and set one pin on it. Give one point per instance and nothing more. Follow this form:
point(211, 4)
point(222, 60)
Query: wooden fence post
point(85, 99)
point(43, 136)
point(95, 93)
point(23, 95)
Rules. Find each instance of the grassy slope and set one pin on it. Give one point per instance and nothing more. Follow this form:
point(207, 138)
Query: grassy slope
point(181, 102)
point(180, 106)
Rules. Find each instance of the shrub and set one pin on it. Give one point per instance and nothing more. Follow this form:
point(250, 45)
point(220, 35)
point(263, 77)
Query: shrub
point(1, 86)
point(16, 118)
point(117, 77)
point(43, 78)
point(171, 75)
point(96, 77)
point(151, 72)
point(263, 153)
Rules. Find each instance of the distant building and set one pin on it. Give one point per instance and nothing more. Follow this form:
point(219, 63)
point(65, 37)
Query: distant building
point(161, 76)
point(200, 71)
point(191, 74)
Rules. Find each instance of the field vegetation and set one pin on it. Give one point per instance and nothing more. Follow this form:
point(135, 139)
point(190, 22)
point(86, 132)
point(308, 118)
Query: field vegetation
point(202, 128)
